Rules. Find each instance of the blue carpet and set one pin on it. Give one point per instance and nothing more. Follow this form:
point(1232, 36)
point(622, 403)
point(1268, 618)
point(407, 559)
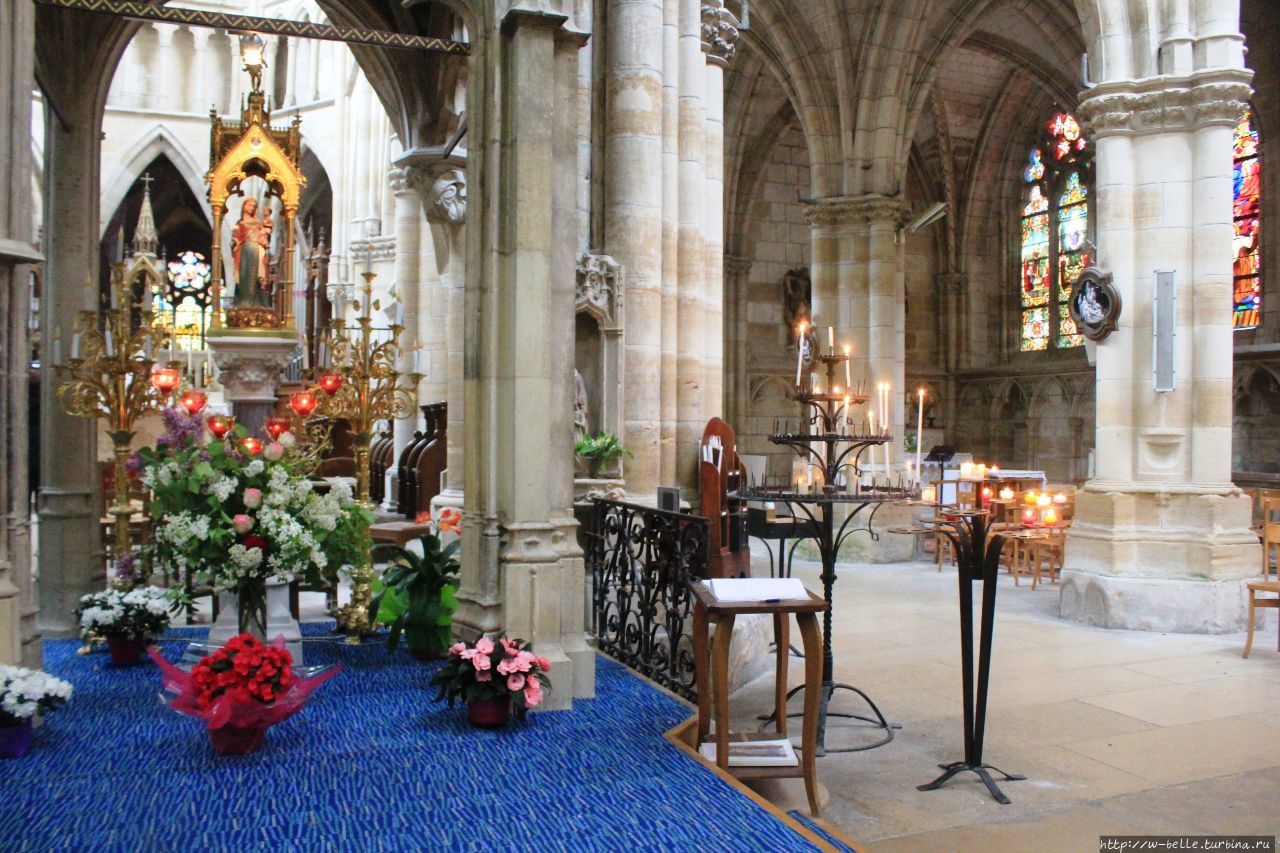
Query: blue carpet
point(370, 764)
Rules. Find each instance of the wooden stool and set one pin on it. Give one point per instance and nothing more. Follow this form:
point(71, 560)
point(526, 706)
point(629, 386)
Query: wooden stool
point(711, 674)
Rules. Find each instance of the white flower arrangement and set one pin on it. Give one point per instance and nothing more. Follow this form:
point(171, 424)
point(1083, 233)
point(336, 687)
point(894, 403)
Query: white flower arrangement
point(133, 613)
point(25, 692)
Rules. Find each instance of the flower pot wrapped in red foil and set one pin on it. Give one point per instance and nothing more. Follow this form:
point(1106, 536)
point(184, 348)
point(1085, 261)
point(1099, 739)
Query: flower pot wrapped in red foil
point(239, 689)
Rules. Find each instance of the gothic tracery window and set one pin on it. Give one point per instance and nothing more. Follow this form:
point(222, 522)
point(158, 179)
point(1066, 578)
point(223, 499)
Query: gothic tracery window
point(1054, 234)
point(184, 306)
point(1247, 180)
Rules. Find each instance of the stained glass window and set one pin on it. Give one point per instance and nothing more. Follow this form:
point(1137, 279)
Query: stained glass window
point(1054, 234)
point(1246, 268)
point(184, 306)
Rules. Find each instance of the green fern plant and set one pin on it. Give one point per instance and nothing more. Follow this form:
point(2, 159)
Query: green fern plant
point(600, 451)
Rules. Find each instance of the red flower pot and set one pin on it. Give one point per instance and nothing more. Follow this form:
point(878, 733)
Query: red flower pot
point(15, 741)
point(126, 649)
point(489, 713)
point(233, 740)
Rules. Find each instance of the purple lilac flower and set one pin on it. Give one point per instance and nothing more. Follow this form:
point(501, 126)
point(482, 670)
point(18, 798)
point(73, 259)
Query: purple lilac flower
point(181, 429)
point(125, 567)
point(134, 463)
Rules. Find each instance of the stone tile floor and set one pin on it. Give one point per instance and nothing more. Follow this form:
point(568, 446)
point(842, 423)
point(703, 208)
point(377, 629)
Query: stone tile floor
point(1118, 732)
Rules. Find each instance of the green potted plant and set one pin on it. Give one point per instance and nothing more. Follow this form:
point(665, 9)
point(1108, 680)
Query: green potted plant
point(600, 451)
point(419, 593)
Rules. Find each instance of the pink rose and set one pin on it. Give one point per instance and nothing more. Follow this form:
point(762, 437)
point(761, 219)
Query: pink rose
point(515, 682)
point(532, 692)
point(544, 664)
point(484, 646)
point(487, 675)
point(253, 498)
point(242, 523)
point(457, 648)
point(481, 662)
point(274, 452)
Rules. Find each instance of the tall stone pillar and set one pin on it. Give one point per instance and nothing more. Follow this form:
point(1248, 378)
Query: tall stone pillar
point(886, 317)
point(719, 41)
point(670, 248)
point(442, 188)
point(408, 216)
point(1161, 538)
point(523, 571)
point(633, 218)
point(19, 640)
point(690, 262)
point(737, 271)
point(71, 555)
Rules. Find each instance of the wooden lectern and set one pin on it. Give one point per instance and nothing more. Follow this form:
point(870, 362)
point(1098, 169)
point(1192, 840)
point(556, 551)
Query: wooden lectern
point(721, 475)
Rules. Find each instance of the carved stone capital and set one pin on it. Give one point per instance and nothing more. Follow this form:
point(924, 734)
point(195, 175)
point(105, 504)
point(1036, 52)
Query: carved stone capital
point(398, 180)
point(844, 210)
point(736, 266)
point(443, 188)
point(251, 368)
point(719, 32)
point(599, 289)
point(1167, 104)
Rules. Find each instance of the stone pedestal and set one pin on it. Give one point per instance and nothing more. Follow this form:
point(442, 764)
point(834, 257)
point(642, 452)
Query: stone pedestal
point(250, 365)
point(280, 621)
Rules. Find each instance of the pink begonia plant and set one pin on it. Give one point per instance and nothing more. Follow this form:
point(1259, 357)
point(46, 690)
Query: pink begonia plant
point(469, 674)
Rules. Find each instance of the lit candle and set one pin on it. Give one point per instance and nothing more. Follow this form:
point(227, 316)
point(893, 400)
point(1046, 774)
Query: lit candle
point(1029, 517)
point(831, 338)
point(799, 351)
point(847, 380)
point(1060, 498)
point(980, 471)
point(417, 361)
point(1050, 516)
point(966, 470)
point(1043, 500)
point(1030, 497)
point(919, 428)
point(1006, 494)
point(847, 401)
point(872, 415)
point(986, 495)
point(929, 494)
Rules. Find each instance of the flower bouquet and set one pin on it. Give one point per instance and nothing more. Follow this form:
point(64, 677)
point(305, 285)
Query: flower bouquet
point(23, 694)
point(240, 689)
point(491, 678)
point(237, 515)
point(126, 618)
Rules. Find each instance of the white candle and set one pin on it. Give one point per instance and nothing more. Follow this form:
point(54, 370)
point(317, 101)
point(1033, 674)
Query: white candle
point(75, 345)
point(919, 429)
point(831, 338)
point(872, 415)
point(57, 346)
point(146, 347)
point(799, 351)
point(417, 361)
point(190, 369)
point(107, 341)
point(848, 381)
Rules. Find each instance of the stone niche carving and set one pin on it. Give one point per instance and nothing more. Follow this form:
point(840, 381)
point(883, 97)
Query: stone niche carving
point(448, 198)
point(598, 353)
point(797, 298)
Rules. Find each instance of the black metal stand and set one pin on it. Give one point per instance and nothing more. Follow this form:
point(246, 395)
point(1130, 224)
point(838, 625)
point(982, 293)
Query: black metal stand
point(979, 560)
point(829, 540)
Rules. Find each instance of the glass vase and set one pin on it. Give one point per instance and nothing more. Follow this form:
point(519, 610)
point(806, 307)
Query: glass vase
point(252, 609)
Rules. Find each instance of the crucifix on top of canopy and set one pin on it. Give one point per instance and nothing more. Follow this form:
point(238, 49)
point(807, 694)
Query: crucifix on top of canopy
point(262, 250)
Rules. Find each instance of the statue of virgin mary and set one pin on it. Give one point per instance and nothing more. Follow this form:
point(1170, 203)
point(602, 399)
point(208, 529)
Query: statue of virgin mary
point(250, 241)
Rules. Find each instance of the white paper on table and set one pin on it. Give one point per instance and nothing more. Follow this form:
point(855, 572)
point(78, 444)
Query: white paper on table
point(755, 753)
point(742, 590)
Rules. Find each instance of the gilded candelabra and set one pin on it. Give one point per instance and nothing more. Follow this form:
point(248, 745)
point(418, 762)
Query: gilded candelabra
point(110, 376)
point(363, 387)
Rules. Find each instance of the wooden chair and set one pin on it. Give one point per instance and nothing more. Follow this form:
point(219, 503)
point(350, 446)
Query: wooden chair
point(944, 550)
point(1047, 552)
point(1270, 535)
point(1256, 603)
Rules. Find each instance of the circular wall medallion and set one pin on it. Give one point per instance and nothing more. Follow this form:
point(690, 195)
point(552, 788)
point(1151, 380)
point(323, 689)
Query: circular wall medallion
point(1094, 304)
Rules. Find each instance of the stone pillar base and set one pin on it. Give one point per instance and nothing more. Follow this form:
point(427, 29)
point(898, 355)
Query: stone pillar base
point(1160, 561)
point(250, 368)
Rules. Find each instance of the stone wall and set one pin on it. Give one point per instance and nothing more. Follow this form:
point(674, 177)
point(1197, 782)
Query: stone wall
point(780, 240)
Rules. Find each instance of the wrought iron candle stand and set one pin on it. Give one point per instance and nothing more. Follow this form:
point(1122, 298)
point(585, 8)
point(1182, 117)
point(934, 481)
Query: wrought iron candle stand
point(826, 443)
point(978, 559)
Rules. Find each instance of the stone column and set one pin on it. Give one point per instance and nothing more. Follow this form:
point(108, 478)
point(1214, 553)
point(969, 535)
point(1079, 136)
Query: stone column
point(719, 41)
point(407, 282)
point(633, 217)
point(71, 554)
point(670, 248)
point(737, 272)
point(164, 94)
point(19, 641)
point(442, 188)
point(886, 317)
point(523, 571)
point(1161, 538)
point(953, 342)
point(690, 263)
point(199, 73)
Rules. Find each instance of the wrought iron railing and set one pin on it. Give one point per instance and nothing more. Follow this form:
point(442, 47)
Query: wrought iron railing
point(641, 561)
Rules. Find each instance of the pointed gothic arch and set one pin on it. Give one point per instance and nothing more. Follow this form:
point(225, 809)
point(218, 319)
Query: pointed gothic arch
point(152, 143)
